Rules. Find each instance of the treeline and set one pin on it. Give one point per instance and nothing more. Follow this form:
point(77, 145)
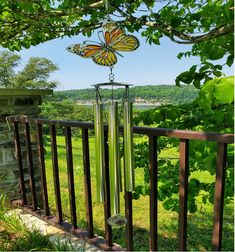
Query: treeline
point(165, 94)
point(66, 110)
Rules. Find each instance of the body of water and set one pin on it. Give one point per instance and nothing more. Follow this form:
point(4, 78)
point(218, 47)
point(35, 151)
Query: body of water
point(139, 106)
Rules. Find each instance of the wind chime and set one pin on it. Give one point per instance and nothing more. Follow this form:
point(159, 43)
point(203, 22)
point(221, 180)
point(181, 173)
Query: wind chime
point(113, 40)
point(114, 149)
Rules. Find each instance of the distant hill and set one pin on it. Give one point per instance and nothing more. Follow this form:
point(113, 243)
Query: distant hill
point(164, 94)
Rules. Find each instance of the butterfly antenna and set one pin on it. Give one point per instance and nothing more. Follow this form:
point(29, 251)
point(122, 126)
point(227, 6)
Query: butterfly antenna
point(99, 36)
point(91, 41)
point(118, 53)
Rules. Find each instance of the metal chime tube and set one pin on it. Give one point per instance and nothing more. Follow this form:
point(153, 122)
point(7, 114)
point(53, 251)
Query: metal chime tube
point(99, 150)
point(114, 158)
point(128, 146)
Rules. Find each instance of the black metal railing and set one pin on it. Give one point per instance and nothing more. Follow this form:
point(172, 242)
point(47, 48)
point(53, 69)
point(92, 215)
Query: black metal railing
point(153, 134)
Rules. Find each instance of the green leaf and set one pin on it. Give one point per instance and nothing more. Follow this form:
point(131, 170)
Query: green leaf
point(221, 90)
point(206, 95)
point(194, 187)
point(204, 199)
point(217, 73)
point(186, 77)
point(135, 195)
point(193, 69)
point(230, 60)
point(204, 68)
point(180, 55)
point(224, 89)
point(196, 84)
point(210, 161)
point(196, 16)
point(214, 53)
point(192, 206)
point(218, 67)
point(169, 204)
point(175, 22)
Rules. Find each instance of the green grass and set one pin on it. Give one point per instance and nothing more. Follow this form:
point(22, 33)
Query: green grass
point(15, 236)
point(199, 224)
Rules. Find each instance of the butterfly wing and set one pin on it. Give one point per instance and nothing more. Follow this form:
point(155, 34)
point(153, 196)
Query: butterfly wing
point(111, 31)
point(85, 50)
point(105, 57)
point(116, 38)
point(99, 53)
point(125, 42)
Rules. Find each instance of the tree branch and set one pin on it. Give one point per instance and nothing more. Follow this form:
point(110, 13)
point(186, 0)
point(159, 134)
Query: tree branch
point(170, 32)
point(216, 32)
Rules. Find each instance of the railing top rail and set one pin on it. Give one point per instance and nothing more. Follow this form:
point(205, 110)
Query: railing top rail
point(185, 134)
point(88, 125)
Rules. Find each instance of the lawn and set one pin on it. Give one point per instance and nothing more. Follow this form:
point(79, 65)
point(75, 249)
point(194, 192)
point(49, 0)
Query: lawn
point(199, 224)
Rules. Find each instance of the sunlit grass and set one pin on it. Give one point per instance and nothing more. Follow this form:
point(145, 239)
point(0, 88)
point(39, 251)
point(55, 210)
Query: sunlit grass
point(199, 224)
point(16, 236)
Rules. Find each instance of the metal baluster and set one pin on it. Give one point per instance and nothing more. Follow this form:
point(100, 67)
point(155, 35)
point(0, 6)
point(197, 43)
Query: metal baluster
point(30, 163)
point(56, 173)
point(20, 163)
point(69, 156)
point(183, 194)
point(219, 196)
point(43, 171)
point(87, 181)
point(153, 171)
point(129, 225)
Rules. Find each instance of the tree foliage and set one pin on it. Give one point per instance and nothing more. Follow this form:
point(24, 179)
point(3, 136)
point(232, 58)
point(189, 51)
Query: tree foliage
point(212, 111)
point(207, 25)
point(34, 75)
point(66, 110)
point(8, 62)
point(202, 154)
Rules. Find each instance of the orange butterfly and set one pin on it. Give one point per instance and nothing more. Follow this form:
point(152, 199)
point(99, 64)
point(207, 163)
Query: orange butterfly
point(104, 53)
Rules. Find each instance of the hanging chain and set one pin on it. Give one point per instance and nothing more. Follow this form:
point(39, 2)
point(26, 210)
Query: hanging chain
point(106, 4)
point(111, 75)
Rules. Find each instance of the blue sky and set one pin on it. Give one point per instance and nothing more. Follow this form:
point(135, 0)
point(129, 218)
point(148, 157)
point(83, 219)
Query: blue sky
point(148, 65)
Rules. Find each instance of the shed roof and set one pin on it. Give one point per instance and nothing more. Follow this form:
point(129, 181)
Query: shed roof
point(24, 92)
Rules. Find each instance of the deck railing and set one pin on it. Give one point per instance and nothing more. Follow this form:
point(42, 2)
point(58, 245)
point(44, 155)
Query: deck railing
point(153, 133)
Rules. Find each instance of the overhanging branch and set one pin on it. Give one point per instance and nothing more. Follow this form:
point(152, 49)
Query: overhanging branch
point(184, 38)
point(216, 32)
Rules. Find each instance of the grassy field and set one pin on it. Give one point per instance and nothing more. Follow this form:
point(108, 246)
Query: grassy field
point(199, 224)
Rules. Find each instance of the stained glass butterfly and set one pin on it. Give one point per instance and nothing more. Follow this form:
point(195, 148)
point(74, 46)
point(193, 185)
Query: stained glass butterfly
point(104, 52)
